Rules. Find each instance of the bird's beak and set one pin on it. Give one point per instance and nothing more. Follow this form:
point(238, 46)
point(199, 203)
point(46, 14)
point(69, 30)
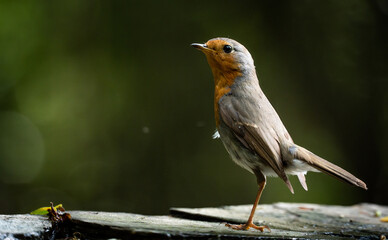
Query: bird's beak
point(202, 47)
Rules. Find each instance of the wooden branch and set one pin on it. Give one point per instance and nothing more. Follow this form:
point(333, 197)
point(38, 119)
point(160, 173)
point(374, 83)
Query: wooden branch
point(286, 220)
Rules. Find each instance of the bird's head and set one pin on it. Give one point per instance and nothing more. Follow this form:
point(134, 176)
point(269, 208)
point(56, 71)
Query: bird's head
point(226, 56)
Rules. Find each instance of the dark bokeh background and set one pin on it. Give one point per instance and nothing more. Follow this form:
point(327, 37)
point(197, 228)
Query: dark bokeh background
point(105, 106)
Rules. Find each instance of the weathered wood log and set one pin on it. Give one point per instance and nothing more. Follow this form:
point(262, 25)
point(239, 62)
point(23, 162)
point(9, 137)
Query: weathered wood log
point(286, 220)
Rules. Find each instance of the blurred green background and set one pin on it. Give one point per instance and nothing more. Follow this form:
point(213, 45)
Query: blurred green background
point(105, 106)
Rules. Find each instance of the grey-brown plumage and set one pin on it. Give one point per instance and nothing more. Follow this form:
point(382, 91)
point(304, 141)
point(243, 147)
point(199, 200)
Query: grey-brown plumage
point(257, 140)
point(249, 126)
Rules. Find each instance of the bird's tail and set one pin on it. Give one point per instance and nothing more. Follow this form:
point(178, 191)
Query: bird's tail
point(327, 167)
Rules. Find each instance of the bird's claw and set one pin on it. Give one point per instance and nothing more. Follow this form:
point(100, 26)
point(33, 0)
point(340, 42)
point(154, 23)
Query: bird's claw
point(246, 226)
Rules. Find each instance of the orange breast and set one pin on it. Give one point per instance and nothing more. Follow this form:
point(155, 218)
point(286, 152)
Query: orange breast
point(225, 70)
point(223, 82)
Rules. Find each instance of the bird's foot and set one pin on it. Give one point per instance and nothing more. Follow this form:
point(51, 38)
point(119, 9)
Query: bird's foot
point(246, 226)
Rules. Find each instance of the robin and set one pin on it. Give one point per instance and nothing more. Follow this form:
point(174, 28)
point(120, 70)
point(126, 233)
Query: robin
point(250, 128)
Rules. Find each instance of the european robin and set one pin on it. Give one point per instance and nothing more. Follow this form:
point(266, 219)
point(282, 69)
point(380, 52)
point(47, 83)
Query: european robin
point(250, 128)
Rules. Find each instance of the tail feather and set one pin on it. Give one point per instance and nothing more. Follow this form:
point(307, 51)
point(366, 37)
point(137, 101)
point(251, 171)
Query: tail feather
point(327, 167)
point(302, 180)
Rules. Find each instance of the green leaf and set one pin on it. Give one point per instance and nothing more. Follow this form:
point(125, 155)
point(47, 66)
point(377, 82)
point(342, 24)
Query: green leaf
point(40, 211)
point(45, 210)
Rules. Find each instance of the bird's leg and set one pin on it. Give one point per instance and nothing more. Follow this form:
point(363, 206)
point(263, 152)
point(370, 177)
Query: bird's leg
point(261, 182)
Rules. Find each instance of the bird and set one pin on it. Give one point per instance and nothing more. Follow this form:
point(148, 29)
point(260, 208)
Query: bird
point(250, 128)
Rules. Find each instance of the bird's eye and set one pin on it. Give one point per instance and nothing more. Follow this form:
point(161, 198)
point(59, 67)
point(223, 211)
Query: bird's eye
point(227, 49)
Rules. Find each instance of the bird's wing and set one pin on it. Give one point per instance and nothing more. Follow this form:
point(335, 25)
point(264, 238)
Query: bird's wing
point(261, 139)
